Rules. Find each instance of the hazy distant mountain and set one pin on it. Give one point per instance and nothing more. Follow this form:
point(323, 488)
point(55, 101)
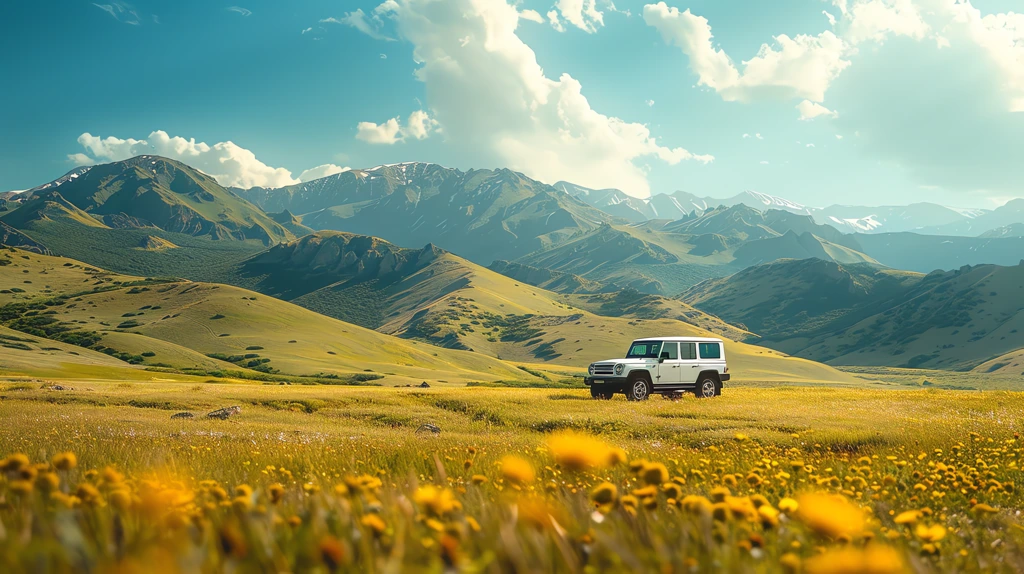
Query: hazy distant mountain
point(891, 219)
point(148, 191)
point(922, 217)
point(610, 201)
point(1010, 213)
point(483, 215)
point(1012, 230)
point(926, 253)
point(862, 315)
point(671, 206)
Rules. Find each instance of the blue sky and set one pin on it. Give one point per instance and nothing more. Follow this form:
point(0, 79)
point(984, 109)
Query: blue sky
point(925, 111)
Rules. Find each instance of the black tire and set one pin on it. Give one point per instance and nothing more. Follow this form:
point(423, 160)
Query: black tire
point(708, 386)
point(639, 389)
point(601, 394)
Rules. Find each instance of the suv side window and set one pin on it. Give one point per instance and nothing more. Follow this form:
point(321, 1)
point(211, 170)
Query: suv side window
point(710, 351)
point(670, 351)
point(688, 351)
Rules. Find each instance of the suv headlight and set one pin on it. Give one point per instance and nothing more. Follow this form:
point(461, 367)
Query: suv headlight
point(619, 368)
point(590, 369)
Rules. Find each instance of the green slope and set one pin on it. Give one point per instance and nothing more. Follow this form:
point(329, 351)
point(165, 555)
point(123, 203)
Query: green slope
point(434, 296)
point(861, 315)
point(180, 321)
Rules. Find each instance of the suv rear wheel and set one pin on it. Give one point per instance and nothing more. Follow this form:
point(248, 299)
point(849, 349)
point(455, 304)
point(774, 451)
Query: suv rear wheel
point(707, 386)
point(638, 389)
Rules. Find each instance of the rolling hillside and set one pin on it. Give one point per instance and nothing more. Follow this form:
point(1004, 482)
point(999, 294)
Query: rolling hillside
point(437, 297)
point(856, 315)
point(481, 214)
point(148, 191)
point(182, 323)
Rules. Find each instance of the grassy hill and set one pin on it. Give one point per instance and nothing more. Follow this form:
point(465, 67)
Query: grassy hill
point(437, 297)
point(143, 252)
point(150, 191)
point(187, 325)
point(861, 315)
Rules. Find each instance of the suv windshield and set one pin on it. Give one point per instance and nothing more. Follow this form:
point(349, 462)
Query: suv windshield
point(644, 350)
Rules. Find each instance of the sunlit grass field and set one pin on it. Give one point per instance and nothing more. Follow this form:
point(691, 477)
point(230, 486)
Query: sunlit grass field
point(319, 478)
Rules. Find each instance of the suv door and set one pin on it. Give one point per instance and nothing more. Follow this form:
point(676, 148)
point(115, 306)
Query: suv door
point(669, 366)
point(689, 365)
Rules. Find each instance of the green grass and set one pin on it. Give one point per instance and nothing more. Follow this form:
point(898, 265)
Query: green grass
point(871, 448)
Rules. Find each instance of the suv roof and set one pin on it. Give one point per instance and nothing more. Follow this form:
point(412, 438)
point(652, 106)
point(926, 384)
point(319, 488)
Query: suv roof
point(701, 339)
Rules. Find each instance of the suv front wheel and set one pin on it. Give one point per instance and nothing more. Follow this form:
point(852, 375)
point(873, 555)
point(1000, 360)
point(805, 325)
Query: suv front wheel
point(707, 387)
point(638, 389)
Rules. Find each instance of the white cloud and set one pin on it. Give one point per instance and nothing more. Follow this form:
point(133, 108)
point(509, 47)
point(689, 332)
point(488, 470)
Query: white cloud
point(229, 164)
point(369, 25)
point(555, 22)
point(746, 136)
point(418, 126)
point(764, 162)
point(839, 137)
point(809, 145)
point(810, 110)
point(831, 18)
point(307, 30)
point(498, 107)
point(532, 16)
point(650, 103)
point(121, 12)
point(383, 56)
point(240, 10)
point(877, 19)
point(321, 171)
point(581, 13)
point(758, 136)
point(798, 67)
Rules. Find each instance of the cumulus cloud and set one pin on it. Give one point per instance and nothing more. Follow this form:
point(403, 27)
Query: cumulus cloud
point(555, 22)
point(810, 110)
point(418, 126)
point(883, 60)
point(321, 171)
point(581, 13)
point(878, 19)
point(798, 67)
point(228, 163)
point(498, 107)
point(369, 25)
point(532, 16)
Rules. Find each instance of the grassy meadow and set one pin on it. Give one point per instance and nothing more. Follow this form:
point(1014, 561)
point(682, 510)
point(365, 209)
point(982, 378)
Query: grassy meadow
point(329, 478)
point(339, 461)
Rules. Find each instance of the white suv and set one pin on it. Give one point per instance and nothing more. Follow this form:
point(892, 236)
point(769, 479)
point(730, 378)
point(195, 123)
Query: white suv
point(662, 365)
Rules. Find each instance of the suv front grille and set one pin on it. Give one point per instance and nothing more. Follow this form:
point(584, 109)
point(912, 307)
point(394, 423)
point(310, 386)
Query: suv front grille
point(604, 369)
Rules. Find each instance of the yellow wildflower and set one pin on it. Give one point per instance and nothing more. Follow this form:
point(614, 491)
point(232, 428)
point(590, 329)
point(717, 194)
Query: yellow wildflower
point(830, 515)
point(517, 470)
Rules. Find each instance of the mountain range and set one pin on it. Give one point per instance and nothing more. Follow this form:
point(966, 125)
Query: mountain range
point(482, 214)
point(514, 269)
point(926, 218)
